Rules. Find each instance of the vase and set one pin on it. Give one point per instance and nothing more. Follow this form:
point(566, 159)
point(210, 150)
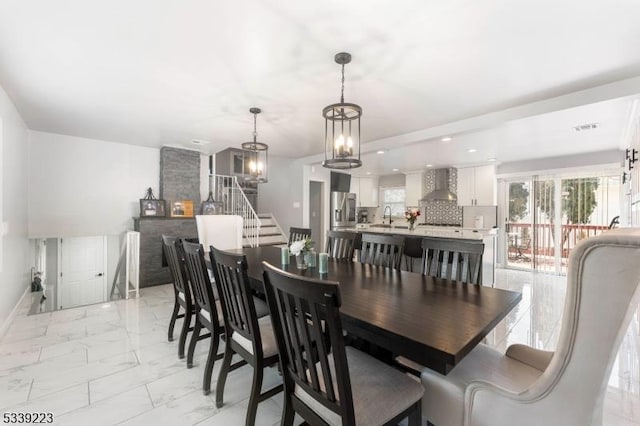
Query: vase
point(412, 226)
point(301, 260)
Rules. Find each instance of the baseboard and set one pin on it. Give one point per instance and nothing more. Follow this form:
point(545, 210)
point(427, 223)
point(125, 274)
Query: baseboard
point(7, 323)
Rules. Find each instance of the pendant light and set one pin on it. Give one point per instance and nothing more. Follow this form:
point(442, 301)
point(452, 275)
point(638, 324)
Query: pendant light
point(255, 155)
point(342, 129)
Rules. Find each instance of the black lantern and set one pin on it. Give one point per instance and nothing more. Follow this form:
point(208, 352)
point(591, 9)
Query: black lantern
point(342, 129)
point(255, 155)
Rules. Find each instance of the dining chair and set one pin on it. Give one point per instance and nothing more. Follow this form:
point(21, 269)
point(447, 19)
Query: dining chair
point(222, 231)
point(251, 337)
point(412, 253)
point(341, 387)
point(382, 250)
point(457, 260)
point(182, 292)
point(297, 234)
point(565, 387)
point(341, 244)
point(208, 310)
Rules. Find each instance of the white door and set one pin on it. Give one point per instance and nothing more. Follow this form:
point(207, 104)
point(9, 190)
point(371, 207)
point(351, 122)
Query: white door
point(83, 265)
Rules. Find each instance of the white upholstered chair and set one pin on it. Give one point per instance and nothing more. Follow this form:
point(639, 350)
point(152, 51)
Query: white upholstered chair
point(526, 386)
point(224, 232)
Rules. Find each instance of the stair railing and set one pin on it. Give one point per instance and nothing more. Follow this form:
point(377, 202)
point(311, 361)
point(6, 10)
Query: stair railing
point(234, 201)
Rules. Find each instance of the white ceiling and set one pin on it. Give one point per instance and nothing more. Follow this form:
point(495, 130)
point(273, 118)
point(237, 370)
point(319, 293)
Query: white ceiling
point(155, 72)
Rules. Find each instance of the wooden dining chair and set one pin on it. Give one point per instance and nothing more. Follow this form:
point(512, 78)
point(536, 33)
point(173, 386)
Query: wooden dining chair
point(208, 311)
point(251, 337)
point(453, 259)
point(341, 244)
point(339, 387)
point(412, 253)
point(382, 250)
point(297, 234)
point(182, 291)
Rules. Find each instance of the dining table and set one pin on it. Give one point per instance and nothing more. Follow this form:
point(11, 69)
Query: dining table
point(431, 321)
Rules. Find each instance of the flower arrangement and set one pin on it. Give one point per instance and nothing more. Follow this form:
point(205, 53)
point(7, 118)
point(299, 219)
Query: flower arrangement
point(412, 216)
point(301, 246)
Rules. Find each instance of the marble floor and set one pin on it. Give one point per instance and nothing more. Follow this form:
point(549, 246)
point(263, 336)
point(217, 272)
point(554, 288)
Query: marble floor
point(111, 363)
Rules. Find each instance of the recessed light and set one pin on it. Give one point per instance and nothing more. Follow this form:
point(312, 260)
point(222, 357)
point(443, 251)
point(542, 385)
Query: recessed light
point(429, 165)
point(491, 159)
point(380, 152)
point(396, 170)
point(446, 139)
point(368, 173)
point(472, 150)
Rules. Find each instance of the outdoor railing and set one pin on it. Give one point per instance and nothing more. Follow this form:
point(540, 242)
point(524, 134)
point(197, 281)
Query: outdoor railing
point(521, 237)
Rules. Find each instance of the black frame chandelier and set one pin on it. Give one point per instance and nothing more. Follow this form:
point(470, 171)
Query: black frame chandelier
point(255, 155)
point(342, 129)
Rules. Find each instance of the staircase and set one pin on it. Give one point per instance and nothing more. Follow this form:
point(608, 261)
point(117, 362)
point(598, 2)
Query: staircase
point(259, 230)
point(271, 234)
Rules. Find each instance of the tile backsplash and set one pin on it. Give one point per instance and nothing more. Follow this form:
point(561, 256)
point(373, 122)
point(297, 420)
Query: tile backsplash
point(442, 212)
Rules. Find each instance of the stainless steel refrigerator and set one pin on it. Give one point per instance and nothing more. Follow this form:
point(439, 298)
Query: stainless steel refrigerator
point(343, 210)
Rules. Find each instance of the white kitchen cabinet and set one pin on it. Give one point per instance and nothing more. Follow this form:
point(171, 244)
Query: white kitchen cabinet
point(366, 190)
point(413, 188)
point(476, 186)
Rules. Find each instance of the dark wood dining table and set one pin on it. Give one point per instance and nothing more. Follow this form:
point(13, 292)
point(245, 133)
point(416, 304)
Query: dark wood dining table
point(431, 321)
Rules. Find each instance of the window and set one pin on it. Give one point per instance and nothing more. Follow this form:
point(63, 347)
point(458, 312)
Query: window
point(394, 198)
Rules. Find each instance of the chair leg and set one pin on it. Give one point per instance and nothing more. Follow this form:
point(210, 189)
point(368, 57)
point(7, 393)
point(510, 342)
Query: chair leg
point(194, 339)
point(222, 377)
point(287, 413)
point(415, 417)
point(211, 359)
point(183, 334)
point(254, 399)
point(172, 323)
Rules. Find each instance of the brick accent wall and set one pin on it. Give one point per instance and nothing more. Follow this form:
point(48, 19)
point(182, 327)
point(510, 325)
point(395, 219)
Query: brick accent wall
point(179, 175)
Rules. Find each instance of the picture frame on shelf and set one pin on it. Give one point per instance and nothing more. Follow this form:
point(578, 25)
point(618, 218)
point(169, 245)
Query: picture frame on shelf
point(181, 208)
point(152, 208)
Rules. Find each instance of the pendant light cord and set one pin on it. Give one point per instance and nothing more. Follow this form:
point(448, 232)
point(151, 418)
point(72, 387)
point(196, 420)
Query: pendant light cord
point(255, 131)
point(342, 90)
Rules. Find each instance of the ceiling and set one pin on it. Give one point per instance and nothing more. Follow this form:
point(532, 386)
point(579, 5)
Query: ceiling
point(156, 73)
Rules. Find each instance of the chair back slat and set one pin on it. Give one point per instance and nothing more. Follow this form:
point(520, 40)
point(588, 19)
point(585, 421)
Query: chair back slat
point(456, 260)
point(234, 288)
point(341, 244)
point(175, 258)
point(305, 314)
point(382, 250)
point(199, 278)
point(297, 234)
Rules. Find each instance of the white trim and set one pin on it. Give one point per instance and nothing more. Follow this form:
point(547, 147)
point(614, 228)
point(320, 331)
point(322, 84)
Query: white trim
point(13, 313)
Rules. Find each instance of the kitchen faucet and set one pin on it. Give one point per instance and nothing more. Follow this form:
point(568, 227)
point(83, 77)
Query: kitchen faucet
point(384, 214)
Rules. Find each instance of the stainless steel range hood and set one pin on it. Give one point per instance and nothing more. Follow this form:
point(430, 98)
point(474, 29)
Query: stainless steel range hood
point(442, 192)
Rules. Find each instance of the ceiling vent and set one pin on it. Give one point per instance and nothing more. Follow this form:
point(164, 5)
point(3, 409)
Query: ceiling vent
point(583, 127)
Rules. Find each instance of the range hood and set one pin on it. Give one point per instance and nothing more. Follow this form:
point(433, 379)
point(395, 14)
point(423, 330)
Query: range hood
point(442, 192)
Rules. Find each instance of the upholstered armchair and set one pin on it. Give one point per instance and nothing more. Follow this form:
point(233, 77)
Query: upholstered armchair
point(526, 386)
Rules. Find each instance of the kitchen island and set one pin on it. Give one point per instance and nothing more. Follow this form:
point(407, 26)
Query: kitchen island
point(413, 239)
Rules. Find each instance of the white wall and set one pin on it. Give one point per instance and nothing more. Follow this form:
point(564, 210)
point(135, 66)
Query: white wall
point(282, 194)
point(82, 187)
point(14, 253)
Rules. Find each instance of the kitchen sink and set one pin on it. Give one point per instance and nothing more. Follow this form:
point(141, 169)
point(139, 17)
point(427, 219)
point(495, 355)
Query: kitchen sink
point(380, 225)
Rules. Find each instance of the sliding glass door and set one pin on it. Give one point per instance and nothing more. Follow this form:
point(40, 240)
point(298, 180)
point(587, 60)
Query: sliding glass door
point(548, 215)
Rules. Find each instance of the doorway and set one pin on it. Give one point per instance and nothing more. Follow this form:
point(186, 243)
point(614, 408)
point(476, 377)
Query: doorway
point(83, 280)
point(316, 213)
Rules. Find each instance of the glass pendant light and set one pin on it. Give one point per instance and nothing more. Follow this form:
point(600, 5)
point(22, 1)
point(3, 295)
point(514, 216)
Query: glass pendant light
point(342, 129)
point(255, 155)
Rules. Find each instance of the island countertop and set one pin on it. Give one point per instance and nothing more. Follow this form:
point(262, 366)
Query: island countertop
point(431, 231)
